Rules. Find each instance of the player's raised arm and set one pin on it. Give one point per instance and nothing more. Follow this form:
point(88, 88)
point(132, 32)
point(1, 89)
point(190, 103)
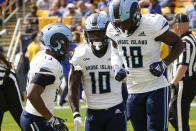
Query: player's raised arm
point(73, 95)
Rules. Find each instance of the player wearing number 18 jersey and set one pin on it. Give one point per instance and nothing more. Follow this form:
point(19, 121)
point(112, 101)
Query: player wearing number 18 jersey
point(91, 62)
point(139, 50)
point(137, 40)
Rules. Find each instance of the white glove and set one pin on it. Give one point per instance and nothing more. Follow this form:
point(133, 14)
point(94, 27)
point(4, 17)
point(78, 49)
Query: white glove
point(77, 121)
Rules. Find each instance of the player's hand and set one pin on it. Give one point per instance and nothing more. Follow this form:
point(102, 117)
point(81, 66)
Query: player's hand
point(77, 121)
point(157, 68)
point(58, 124)
point(120, 73)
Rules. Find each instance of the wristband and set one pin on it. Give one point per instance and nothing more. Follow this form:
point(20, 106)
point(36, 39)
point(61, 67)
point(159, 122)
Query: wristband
point(165, 64)
point(172, 86)
point(76, 114)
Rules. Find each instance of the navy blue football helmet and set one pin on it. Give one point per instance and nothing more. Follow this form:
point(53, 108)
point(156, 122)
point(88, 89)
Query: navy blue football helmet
point(125, 14)
point(95, 30)
point(57, 38)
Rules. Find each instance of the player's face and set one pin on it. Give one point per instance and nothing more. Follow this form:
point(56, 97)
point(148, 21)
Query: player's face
point(66, 48)
point(125, 25)
point(96, 36)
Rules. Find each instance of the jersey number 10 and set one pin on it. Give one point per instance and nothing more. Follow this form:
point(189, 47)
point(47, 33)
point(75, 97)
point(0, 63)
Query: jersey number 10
point(104, 82)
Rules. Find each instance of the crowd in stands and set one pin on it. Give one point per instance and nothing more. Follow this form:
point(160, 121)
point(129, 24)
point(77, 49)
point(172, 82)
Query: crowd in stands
point(5, 3)
point(74, 12)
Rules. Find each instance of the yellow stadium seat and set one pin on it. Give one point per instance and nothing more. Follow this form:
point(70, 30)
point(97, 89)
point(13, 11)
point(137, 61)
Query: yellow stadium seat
point(165, 10)
point(181, 3)
point(46, 20)
point(43, 13)
point(184, 0)
point(67, 20)
point(177, 10)
point(144, 11)
point(186, 4)
point(178, 3)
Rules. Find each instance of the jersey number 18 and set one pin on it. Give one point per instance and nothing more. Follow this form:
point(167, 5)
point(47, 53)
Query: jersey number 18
point(136, 56)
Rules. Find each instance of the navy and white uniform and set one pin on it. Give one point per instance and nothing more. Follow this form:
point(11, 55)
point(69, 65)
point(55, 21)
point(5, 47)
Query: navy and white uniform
point(42, 63)
point(148, 94)
point(103, 93)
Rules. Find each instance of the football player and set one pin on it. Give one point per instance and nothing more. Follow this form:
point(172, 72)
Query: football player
point(91, 63)
point(44, 79)
point(137, 39)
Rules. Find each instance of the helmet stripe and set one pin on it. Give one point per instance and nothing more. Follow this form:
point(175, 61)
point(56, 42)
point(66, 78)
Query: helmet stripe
point(116, 6)
point(94, 18)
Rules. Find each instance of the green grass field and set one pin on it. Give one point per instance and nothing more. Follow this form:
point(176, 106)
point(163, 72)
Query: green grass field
point(10, 125)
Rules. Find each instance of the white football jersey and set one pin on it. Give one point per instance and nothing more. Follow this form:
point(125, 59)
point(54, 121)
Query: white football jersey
point(101, 89)
point(43, 63)
point(139, 50)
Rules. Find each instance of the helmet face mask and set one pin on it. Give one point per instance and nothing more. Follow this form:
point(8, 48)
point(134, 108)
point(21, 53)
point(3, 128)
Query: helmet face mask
point(97, 39)
point(95, 30)
point(56, 38)
point(96, 36)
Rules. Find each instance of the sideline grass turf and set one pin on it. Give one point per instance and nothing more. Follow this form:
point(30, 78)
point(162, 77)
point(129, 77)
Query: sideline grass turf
point(10, 125)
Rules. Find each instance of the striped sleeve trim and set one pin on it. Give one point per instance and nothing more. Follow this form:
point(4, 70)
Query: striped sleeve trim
point(186, 53)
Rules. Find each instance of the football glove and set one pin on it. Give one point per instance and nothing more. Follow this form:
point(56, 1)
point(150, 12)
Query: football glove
point(158, 68)
point(120, 73)
point(77, 121)
point(58, 124)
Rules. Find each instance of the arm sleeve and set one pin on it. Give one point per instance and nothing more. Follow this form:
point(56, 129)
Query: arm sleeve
point(43, 80)
point(112, 32)
point(160, 25)
point(115, 57)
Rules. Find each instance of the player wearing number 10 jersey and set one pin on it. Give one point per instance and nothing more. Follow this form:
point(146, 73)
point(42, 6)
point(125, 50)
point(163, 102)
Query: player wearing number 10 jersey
point(137, 39)
point(91, 62)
